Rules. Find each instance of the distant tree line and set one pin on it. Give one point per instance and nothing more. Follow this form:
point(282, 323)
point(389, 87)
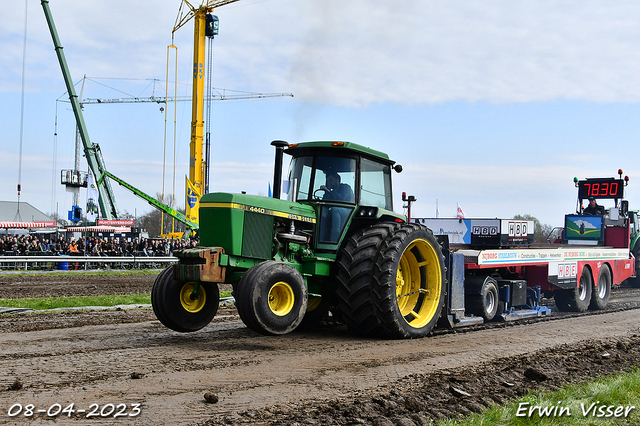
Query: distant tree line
point(541, 231)
point(150, 221)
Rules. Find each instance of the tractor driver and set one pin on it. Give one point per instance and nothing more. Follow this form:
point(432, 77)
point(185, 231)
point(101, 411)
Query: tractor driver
point(593, 208)
point(334, 190)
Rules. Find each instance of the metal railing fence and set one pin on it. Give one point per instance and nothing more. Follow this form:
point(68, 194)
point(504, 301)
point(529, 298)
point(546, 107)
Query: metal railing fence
point(65, 262)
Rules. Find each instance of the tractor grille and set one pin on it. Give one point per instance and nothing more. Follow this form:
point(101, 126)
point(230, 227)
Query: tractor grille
point(257, 238)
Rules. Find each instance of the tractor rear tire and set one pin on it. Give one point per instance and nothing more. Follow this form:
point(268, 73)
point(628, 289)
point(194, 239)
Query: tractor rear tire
point(272, 298)
point(576, 299)
point(354, 277)
point(601, 292)
point(172, 304)
point(409, 282)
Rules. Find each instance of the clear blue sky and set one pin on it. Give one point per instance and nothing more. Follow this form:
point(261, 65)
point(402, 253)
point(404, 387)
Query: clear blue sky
point(494, 105)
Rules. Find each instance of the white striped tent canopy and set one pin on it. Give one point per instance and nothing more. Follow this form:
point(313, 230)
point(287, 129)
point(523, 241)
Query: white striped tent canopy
point(97, 228)
point(27, 225)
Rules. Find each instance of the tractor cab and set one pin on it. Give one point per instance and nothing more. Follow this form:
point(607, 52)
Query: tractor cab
point(345, 182)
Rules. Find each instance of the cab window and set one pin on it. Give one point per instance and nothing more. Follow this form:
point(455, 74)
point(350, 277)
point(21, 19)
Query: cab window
point(335, 179)
point(330, 179)
point(375, 184)
point(300, 171)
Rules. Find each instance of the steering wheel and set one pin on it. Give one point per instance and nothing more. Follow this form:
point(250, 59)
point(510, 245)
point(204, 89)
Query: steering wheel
point(315, 193)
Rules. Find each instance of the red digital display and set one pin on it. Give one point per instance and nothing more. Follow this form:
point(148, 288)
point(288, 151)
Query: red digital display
point(601, 188)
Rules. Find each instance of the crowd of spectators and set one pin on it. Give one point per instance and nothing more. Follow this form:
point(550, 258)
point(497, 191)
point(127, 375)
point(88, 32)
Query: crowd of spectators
point(90, 246)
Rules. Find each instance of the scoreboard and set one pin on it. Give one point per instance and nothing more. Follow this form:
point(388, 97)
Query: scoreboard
point(601, 188)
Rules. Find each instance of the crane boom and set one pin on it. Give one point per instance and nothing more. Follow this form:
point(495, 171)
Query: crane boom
point(155, 203)
point(106, 199)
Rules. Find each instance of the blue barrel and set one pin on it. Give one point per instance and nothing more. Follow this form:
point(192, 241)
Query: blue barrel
point(63, 266)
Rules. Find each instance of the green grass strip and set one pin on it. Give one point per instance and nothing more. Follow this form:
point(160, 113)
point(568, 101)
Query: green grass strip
point(43, 303)
point(611, 400)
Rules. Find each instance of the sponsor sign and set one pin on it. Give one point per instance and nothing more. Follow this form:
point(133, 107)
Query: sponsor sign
point(521, 256)
point(115, 222)
point(482, 232)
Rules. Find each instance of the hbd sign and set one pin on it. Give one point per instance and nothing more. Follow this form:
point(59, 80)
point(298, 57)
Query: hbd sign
point(517, 229)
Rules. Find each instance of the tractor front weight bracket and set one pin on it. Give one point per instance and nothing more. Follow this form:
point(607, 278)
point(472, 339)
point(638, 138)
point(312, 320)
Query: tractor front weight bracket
point(200, 264)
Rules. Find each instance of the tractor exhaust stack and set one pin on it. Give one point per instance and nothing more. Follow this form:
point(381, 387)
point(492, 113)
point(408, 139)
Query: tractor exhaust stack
point(277, 167)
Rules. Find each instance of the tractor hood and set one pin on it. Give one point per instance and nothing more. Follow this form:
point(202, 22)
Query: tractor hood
point(244, 224)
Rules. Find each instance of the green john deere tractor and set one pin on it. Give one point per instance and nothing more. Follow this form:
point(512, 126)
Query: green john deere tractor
point(334, 245)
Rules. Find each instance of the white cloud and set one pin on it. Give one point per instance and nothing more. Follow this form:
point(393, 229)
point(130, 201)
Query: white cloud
point(355, 54)
point(440, 51)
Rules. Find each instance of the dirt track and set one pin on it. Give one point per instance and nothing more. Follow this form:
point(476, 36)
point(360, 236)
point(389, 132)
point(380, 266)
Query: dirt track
point(322, 377)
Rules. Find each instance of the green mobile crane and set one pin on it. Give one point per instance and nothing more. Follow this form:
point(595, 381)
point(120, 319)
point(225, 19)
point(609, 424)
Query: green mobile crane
point(334, 245)
point(92, 150)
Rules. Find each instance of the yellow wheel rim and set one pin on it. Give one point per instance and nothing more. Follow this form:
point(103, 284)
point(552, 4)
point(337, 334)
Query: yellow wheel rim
point(281, 298)
point(419, 283)
point(192, 306)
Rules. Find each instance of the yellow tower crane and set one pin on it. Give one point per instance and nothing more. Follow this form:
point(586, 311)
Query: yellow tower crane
point(204, 23)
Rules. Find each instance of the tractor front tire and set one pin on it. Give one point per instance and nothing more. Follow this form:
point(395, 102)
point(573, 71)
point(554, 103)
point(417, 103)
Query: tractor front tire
point(172, 303)
point(271, 298)
point(409, 282)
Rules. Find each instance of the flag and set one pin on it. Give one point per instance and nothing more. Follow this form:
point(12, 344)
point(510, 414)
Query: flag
point(269, 190)
point(459, 213)
point(92, 199)
point(193, 198)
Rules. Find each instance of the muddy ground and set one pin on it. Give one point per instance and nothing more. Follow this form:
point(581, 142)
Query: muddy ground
point(227, 375)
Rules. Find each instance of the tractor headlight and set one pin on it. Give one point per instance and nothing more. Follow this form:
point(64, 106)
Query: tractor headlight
point(367, 212)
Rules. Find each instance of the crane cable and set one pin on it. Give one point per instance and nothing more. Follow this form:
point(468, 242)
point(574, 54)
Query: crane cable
point(207, 145)
point(164, 155)
point(54, 158)
point(18, 218)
